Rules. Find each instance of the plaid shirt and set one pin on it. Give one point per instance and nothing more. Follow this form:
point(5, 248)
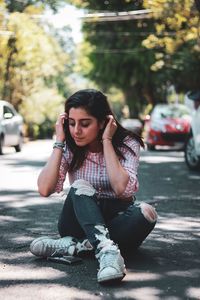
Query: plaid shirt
point(94, 171)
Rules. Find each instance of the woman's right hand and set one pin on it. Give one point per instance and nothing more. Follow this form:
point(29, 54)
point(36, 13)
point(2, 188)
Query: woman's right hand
point(59, 129)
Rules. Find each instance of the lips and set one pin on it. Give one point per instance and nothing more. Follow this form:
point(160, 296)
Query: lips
point(78, 138)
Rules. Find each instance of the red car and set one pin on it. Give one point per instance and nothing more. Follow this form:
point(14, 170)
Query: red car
point(168, 125)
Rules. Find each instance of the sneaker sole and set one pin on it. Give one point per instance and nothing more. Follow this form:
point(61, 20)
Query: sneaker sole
point(112, 279)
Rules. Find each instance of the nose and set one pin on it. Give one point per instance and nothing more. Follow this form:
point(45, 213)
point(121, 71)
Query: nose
point(77, 129)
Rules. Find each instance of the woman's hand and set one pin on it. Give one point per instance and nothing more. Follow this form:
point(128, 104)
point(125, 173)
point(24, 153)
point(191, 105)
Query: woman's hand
point(110, 129)
point(117, 175)
point(60, 134)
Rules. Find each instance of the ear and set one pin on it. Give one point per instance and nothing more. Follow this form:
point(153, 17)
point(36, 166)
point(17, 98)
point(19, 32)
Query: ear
point(102, 124)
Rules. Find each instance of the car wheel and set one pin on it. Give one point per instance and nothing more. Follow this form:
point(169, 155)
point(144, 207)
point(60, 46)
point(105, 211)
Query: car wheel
point(18, 147)
point(150, 147)
point(1, 145)
point(191, 158)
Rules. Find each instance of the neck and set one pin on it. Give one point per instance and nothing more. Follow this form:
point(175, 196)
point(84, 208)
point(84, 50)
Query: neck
point(95, 147)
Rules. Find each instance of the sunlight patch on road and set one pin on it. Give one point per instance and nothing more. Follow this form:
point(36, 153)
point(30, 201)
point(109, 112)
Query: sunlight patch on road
point(193, 293)
point(142, 293)
point(195, 273)
point(181, 224)
point(160, 159)
point(51, 291)
point(7, 219)
point(27, 272)
point(132, 276)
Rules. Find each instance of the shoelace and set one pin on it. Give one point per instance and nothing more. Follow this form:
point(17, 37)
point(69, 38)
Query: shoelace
point(58, 253)
point(105, 246)
point(60, 248)
point(83, 246)
point(107, 259)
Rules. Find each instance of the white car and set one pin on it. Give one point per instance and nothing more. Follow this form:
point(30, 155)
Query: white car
point(11, 127)
point(133, 125)
point(192, 147)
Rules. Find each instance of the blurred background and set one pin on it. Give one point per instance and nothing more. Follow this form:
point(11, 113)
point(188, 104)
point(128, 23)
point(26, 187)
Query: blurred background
point(140, 53)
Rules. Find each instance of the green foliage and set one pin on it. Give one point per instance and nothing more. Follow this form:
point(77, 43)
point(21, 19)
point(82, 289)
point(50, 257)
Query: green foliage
point(33, 65)
point(40, 111)
point(114, 5)
point(176, 42)
point(20, 6)
point(112, 54)
point(30, 54)
point(143, 57)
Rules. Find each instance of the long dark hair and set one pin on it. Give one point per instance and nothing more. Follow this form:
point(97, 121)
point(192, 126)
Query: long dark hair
point(96, 104)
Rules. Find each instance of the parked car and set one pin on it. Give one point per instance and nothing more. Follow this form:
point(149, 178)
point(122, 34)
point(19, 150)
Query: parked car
point(192, 146)
point(168, 125)
point(11, 127)
point(134, 125)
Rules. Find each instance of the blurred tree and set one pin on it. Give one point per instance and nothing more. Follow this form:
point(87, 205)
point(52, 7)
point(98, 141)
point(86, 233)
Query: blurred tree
point(40, 110)
point(176, 42)
point(64, 38)
point(20, 6)
point(4, 36)
point(34, 64)
point(31, 54)
point(112, 54)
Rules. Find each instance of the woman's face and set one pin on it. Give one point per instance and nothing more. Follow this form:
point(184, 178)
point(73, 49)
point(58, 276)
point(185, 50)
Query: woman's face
point(83, 127)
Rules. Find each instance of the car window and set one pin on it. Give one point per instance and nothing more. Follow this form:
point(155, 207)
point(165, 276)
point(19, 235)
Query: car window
point(8, 110)
point(170, 112)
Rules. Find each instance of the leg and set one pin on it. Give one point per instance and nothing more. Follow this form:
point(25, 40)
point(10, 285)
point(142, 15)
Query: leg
point(87, 212)
point(72, 235)
point(68, 224)
point(89, 216)
point(82, 211)
point(130, 228)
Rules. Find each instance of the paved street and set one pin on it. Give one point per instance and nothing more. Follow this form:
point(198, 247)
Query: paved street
point(167, 266)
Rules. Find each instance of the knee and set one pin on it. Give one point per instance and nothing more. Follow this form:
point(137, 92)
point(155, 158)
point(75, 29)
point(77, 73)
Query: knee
point(149, 212)
point(83, 187)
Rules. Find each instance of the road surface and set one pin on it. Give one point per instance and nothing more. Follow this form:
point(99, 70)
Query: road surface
point(167, 266)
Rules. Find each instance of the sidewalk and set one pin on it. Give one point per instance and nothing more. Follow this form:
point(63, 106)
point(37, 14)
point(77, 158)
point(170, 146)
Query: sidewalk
point(167, 266)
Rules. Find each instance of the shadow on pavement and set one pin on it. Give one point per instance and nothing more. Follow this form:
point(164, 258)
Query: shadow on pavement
point(166, 266)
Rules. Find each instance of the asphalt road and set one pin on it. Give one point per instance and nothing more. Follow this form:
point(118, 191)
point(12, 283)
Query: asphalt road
point(167, 265)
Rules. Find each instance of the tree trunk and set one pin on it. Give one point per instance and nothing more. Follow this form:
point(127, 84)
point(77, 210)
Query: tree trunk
point(6, 94)
point(134, 99)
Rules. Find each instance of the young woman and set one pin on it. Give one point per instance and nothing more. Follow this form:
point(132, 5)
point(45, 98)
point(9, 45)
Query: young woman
point(101, 159)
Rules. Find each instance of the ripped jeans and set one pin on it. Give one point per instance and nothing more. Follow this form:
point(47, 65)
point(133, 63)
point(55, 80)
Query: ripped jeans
point(83, 213)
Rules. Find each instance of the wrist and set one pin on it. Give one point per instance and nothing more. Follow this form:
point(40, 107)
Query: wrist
point(108, 139)
point(59, 145)
point(60, 142)
point(57, 140)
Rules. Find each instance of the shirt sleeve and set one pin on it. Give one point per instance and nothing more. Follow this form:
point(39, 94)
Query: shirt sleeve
point(62, 172)
point(130, 164)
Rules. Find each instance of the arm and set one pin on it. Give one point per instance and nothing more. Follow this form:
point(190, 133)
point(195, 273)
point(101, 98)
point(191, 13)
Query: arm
point(118, 176)
point(49, 175)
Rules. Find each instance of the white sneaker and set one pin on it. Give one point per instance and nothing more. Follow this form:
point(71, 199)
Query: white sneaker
point(84, 248)
point(45, 246)
point(111, 264)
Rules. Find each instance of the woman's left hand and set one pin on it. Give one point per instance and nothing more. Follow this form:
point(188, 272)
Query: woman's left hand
point(110, 129)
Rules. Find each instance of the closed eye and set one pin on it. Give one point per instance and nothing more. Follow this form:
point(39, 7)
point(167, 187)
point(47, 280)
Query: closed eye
point(71, 123)
point(85, 124)
point(82, 124)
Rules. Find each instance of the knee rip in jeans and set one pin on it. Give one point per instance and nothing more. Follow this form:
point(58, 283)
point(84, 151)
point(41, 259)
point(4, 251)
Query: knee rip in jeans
point(149, 212)
point(83, 187)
